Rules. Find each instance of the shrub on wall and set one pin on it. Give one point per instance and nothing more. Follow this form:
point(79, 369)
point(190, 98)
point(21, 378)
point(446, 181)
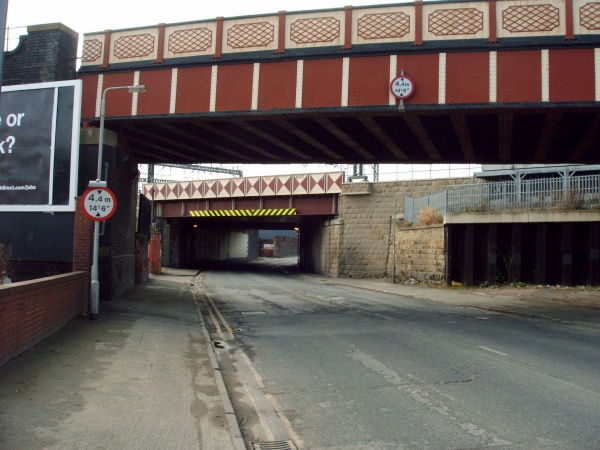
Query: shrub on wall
point(429, 216)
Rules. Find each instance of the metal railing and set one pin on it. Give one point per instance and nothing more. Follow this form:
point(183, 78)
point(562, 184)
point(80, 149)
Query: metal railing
point(567, 193)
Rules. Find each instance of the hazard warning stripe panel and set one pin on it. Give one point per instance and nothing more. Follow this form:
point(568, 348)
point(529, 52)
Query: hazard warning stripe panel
point(245, 212)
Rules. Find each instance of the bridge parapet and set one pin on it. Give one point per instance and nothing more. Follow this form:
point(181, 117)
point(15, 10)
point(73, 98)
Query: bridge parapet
point(429, 24)
point(262, 186)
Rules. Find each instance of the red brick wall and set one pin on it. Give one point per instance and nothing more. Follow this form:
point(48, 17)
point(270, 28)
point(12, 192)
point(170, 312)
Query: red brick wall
point(32, 310)
point(83, 240)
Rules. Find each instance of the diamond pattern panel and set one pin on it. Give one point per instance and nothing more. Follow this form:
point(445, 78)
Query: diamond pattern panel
point(384, 26)
point(224, 188)
point(134, 46)
point(190, 41)
point(284, 185)
point(92, 51)
point(259, 34)
point(197, 190)
point(450, 22)
point(317, 184)
point(237, 187)
point(530, 18)
point(300, 184)
point(589, 16)
point(252, 187)
point(268, 186)
point(210, 189)
point(315, 30)
point(334, 183)
point(184, 190)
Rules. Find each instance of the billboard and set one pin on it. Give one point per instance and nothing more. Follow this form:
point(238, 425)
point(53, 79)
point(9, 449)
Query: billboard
point(39, 146)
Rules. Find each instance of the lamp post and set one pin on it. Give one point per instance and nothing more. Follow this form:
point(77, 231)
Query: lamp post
point(95, 283)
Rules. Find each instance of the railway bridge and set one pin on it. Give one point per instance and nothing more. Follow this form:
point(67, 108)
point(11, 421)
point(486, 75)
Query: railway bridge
point(486, 81)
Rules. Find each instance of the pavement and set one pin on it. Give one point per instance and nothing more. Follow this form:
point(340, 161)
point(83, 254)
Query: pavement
point(579, 306)
point(143, 374)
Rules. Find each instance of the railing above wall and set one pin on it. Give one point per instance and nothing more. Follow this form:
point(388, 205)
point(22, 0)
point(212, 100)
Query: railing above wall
point(408, 25)
point(555, 193)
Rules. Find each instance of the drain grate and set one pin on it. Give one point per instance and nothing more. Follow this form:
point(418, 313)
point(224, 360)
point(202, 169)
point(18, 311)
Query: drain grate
point(254, 313)
point(275, 445)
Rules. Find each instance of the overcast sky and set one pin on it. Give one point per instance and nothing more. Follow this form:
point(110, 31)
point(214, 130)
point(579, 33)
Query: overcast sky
point(82, 16)
point(86, 17)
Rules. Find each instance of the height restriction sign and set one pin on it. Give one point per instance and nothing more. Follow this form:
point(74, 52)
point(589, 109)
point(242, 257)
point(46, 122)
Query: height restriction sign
point(402, 87)
point(99, 203)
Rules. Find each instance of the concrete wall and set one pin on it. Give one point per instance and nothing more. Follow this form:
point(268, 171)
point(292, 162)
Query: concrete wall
point(320, 247)
point(235, 245)
point(32, 310)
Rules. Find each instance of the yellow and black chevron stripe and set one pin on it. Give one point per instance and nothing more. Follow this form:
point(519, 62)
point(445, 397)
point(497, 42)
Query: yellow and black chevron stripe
point(245, 212)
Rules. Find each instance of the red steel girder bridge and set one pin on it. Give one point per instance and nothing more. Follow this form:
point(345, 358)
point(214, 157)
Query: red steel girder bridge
point(495, 81)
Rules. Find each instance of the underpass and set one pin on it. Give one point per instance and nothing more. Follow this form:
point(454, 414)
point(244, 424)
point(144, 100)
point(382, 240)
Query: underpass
point(221, 220)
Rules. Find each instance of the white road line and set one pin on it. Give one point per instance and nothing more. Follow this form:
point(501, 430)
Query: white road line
point(491, 350)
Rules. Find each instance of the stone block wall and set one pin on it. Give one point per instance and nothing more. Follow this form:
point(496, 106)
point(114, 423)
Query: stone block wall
point(367, 210)
point(420, 254)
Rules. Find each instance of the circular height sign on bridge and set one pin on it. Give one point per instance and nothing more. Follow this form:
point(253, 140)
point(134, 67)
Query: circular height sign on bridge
point(99, 203)
point(402, 87)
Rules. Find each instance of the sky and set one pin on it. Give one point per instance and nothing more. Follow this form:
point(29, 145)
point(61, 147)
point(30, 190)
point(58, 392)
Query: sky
point(116, 14)
point(92, 16)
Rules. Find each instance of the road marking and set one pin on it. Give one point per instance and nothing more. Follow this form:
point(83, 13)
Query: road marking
point(427, 396)
point(491, 350)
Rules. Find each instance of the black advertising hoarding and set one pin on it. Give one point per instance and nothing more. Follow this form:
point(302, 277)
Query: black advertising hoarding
point(39, 146)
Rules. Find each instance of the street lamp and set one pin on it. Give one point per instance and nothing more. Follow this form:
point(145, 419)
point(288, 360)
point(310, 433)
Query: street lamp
point(95, 283)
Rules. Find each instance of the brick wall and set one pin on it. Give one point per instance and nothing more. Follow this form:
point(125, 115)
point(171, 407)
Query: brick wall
point(32, 310)
point(117, 251)
point(420, 254)
point(47, 53)
point(366, 210)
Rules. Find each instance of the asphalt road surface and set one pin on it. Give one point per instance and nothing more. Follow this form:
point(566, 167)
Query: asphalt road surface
point(312, 364)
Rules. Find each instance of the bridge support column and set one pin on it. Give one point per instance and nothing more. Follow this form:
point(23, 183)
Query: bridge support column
point(492, 254)
point(541, 254)
point(567, 254)
point(154, 253)
point(469, 255)
point(514, 254)
point(594, 254)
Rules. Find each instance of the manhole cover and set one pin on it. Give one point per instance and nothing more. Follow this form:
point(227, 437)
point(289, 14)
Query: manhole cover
point(275, 445)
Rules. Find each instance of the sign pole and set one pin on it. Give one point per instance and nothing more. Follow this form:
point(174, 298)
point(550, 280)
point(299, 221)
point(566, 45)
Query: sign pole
point(99, 204)
point(102, 214)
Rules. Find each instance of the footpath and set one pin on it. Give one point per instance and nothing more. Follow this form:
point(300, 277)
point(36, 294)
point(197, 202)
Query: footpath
point(568, 305)
point(143, 374)
point(140, 376)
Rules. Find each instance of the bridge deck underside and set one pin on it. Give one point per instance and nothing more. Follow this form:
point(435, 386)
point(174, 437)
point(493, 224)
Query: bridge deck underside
point(461, 133)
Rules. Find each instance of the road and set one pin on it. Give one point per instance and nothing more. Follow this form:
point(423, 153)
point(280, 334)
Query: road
point(313, 364)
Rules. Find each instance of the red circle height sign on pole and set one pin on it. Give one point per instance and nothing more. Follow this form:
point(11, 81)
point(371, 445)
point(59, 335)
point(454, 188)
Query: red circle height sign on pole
point(99, 203)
